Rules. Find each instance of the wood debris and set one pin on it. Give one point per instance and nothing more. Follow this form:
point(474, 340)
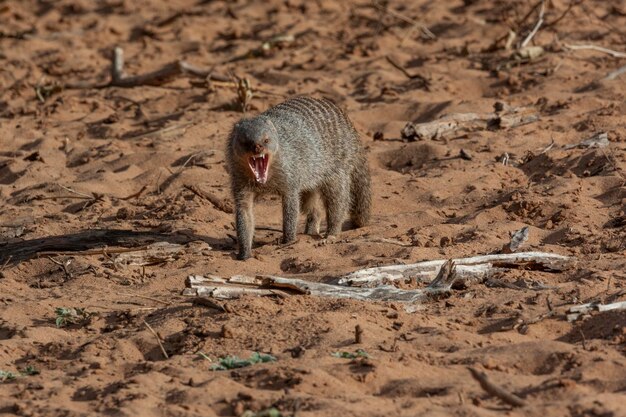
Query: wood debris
point(370, 284)
point(238, 286)
point(154, 254)
point(574, 313)
point(599, 140)
point(474, 268)
point(509, 117)
point(517, 240)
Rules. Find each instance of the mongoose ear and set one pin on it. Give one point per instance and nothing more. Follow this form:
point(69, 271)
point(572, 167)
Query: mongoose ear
point(234, 133)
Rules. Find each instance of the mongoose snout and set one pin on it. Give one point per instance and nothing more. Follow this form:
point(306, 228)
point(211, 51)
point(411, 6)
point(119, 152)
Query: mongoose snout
point(254, 145)
point(307, 151)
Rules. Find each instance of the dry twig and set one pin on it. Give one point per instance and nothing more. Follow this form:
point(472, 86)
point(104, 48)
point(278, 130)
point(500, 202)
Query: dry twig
point(533, 32)
point(495, 390)
point(211, 198)
point(135, 195)
point(405, 72)
point(611, 52)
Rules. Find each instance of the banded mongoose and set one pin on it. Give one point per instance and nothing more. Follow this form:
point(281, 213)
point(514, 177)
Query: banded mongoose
point(307, 151)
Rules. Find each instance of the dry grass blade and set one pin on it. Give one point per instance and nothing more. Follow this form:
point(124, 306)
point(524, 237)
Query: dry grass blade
point(78, 193)
point(145, 297)
point(5, 263)
point(158, 339)
point(206, 302)
point(614, 74)
point(405, 19)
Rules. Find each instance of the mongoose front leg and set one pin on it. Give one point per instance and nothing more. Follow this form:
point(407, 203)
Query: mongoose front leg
point(244, 219)
point(291, 208)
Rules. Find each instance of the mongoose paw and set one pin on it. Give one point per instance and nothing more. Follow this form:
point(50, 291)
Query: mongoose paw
point(312, 230)
point(328, 240)
point(284, 245)
point(242, 256)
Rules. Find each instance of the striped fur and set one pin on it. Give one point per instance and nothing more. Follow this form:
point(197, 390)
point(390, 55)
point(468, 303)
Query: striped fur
point(317, 161)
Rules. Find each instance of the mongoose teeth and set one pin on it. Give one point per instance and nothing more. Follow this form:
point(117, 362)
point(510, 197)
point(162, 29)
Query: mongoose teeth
point(259, 166)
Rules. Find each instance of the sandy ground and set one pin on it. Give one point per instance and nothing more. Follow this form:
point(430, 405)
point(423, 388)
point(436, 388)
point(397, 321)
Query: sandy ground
point(71, 157)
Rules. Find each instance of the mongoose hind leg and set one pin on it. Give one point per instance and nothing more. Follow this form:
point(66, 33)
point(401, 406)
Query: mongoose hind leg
point(311, 206)
point(244, 218)
point(337, 198)
point(291, 208)
point(361, 193)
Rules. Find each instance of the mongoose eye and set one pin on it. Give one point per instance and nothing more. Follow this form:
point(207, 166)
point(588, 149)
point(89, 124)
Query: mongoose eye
point(266, 141)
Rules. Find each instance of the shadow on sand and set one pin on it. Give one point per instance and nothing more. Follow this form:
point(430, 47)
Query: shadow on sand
point(18, 251)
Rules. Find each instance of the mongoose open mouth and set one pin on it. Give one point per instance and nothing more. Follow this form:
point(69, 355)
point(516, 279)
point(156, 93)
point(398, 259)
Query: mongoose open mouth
point(259, 165)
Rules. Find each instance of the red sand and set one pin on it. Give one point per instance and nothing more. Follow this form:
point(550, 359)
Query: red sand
point(115, 141)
